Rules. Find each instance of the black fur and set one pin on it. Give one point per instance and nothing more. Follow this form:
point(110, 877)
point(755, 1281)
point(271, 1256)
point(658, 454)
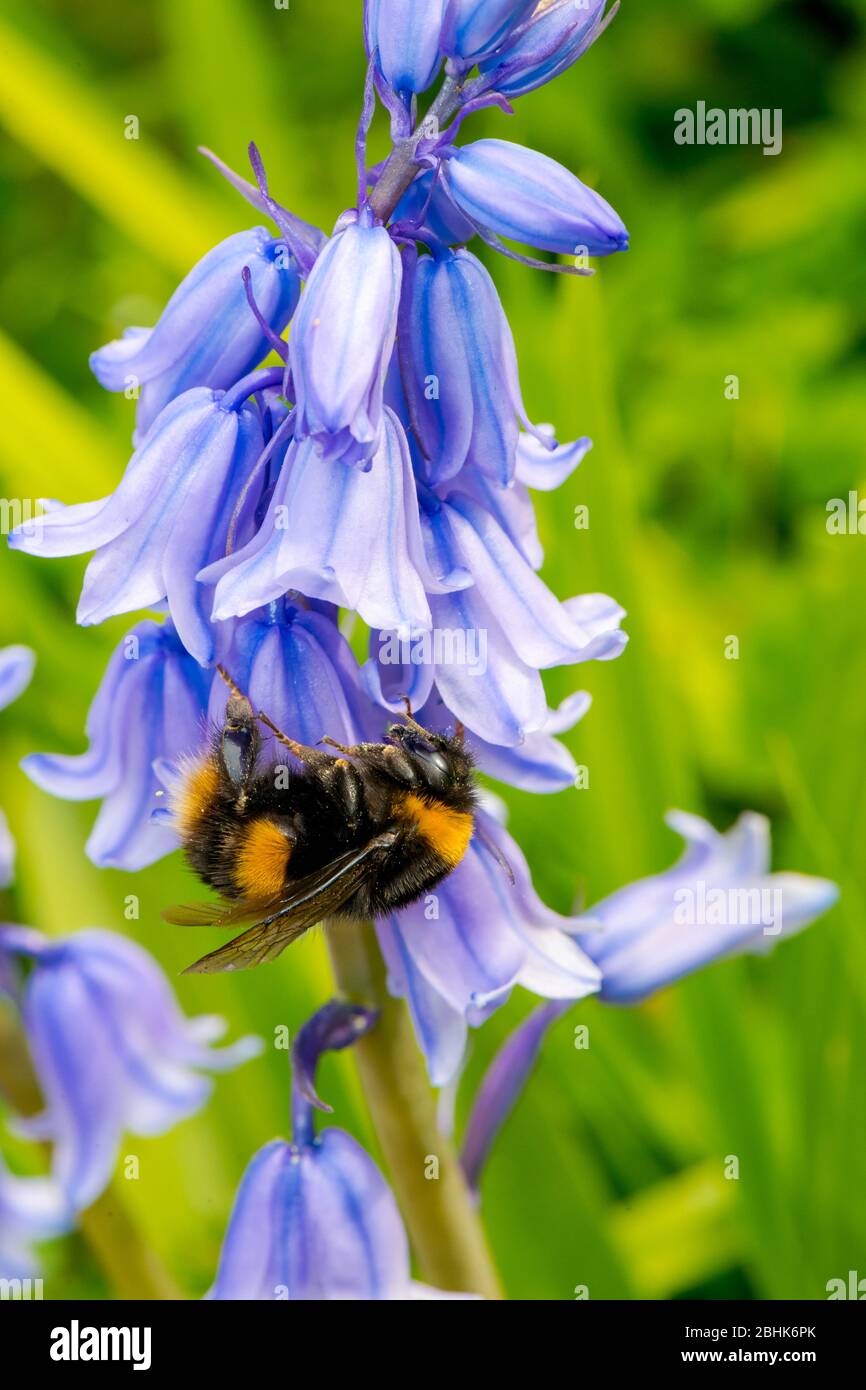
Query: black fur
point(332, 804)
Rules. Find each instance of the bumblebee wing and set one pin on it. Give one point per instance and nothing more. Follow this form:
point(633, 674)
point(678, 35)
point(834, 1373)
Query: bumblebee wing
point(208, 914)
point(311, 898)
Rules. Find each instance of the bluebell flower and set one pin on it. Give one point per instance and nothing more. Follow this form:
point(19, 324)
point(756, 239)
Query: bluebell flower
point(150, 704)
point(111, 1050)
point(501, 1086)
point(540, 464)
point(539, 764)
point(207, 334)
point(496, 627)
point(514, 192)
point(341, 342)
point(31, 1210)
point(16, 672)
point(340, 534)
point(548, 42)
point(406, 39)
point(314, 1219)
point(459, 369)
point(475, 27)
point(169, 516)
point(720, 899)
point(295, 665)
point(457, 954)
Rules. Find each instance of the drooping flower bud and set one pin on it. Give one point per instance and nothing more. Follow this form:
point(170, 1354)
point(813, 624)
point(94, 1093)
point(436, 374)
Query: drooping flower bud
point(168, 517)
point(406, 37)
point(341, 342)
point(207, 334)
point(476, 27)
point(459, 369)
point(518, 193)
point(553, 37)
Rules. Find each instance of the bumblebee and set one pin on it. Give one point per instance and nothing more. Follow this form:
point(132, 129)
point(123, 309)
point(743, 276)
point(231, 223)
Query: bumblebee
point(354, 836)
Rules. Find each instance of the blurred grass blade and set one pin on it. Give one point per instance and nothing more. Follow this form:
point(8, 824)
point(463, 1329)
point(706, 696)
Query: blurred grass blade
point(135, 185)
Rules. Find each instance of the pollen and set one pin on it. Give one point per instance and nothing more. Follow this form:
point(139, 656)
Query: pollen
point(447, 831)
point(262, 857)
point(192, 800)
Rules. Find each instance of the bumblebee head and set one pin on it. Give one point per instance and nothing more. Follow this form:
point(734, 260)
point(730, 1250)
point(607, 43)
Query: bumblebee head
point(440, 762)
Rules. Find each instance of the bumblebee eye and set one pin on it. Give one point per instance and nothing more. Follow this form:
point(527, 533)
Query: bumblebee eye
point(433, 763)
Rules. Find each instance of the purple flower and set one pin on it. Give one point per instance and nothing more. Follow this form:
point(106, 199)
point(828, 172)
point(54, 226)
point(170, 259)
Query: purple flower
point(168, 517)
point(518, 193)
point(150, 704)
point(496, 629)
point(475, 27)
point(720, 899)
point(293, 663)
point(207, 334)
point(553, 37)
point(315, 1219)
point(456, 954)
point(31, 1210)
point(16, 671)
point(341, 342)
point(340, 534)
point(501, 1085)
point(406, 40)
point(111, 1049)
point(460, 369)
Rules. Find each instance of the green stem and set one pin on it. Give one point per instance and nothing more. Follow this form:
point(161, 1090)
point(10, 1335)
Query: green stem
point(437, 1206)
point(134, 1270)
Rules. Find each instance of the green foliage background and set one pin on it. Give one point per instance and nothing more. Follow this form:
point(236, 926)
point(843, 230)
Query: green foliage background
point(708, 519)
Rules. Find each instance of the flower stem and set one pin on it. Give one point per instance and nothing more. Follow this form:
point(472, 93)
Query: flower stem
point(401, 165)
point(440, 1215)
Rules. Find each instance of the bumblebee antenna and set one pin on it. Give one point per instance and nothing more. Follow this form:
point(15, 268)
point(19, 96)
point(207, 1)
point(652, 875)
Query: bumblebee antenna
point(459, 730)
point(232, 685)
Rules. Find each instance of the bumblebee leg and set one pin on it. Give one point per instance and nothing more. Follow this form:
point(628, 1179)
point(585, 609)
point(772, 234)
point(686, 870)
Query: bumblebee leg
point(310, 756)
point(386, 757)
point(341, 747)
